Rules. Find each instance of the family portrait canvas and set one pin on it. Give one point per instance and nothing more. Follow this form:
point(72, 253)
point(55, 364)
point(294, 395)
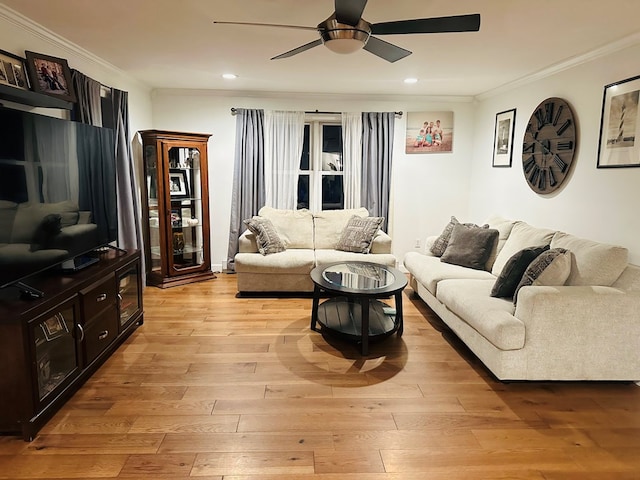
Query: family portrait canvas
point(429, 132)
point(50, 75)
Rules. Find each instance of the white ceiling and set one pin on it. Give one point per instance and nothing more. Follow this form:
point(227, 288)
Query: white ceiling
point(174, 43)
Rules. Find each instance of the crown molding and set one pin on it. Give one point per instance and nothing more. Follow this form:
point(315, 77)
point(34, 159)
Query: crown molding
point(60, 43)
point(626, 42)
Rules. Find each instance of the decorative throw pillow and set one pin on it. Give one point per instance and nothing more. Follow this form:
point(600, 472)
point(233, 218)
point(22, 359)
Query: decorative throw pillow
point(358, 234)
point(267, 237)
point(470, 246)
point(440, 243)
point(513, 270)
point(549, 268)
point(48, 228)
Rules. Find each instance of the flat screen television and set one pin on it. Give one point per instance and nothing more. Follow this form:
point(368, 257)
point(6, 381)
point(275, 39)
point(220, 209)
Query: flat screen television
point(57, 193)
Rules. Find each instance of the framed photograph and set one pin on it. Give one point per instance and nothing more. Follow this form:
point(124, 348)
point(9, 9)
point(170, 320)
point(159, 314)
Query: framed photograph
point(429, 132)
point(54, 327)
point(13, 71)
point(620, 125)
point(178, 185)
point(503, 138)
point(50, 75)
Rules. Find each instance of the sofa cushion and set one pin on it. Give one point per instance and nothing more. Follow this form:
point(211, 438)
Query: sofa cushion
point(48, 228)
point(491, 317)
point(295, 227)
point(593, 263)
point(327, 256)
point(512, 273)
point(7, 215)
point(504, 226)
point(296, 260)
point(329, 224)
point(29, 216)
point(358, 234)
point(550, 268)
point(522, 236)
point(429, 270)
point(439, 245)
point(267, 237)
point(470, 246)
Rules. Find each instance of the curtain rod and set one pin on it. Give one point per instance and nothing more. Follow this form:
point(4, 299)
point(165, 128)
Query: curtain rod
point(317, 112)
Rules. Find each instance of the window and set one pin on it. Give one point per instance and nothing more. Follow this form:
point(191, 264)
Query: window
point(320, 180)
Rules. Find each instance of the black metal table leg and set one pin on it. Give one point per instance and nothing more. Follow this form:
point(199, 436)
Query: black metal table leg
point(364, 307)
point(399, 318)
point(314, 309)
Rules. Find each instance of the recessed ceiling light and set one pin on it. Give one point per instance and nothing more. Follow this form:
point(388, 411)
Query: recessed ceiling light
point(229, 76)
point(410, 80)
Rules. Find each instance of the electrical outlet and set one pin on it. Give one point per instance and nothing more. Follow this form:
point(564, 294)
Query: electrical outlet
point(417, 244)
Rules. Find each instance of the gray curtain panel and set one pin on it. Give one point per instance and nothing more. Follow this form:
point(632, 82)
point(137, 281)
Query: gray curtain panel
point(89, 110)
point(248, 191)
point(377, 150)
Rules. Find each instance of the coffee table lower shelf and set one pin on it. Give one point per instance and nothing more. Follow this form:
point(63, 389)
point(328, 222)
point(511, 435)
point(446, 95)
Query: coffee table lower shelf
point(342, 317)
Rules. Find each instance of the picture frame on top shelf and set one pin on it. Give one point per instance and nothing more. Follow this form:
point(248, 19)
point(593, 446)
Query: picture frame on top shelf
point(503, 138)
point(178, 185)
point(13, 71)
point(619, 144)
point(50, 76)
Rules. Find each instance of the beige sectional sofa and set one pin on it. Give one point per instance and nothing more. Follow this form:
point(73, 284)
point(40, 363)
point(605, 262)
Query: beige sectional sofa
point(310, 240)
point(586, 329)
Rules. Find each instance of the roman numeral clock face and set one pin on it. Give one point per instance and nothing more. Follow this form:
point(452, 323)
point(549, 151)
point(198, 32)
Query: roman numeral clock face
point(548, 146)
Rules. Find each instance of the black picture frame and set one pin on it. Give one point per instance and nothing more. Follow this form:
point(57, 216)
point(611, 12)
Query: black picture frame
point(503, 138)
point(13, 71)
point(619, 144)
point(50, 76)
point(178, 183)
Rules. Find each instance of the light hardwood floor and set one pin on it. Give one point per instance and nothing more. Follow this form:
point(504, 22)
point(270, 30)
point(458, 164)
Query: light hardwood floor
point(218, 387)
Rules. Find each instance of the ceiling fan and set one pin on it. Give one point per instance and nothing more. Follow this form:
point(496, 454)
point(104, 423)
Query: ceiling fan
point(345, 31)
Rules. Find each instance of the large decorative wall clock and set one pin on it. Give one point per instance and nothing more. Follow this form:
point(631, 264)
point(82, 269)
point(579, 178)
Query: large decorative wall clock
point(549, 145)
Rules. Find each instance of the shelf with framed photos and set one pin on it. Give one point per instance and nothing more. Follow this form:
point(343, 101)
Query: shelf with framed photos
point(176, 207)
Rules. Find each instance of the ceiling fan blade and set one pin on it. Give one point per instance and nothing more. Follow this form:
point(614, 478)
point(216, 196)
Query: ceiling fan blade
point(301, 49)
point(297, 27)
point(388, 51)
point(457, 23)
point(349, 11)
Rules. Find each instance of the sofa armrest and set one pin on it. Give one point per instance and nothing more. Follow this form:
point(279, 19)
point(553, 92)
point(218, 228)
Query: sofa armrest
point(247, 243)
point(381, 243)
point(577, 326)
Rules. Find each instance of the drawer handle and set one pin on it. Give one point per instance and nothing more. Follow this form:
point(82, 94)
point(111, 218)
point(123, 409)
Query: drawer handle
point(101, 298)
point(81, 332)
point(103, 335)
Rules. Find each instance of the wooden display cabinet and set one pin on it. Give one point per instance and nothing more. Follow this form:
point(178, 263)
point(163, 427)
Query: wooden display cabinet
point(176, 207)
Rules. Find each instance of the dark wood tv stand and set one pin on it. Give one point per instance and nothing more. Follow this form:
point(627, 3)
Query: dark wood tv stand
point(50, 346)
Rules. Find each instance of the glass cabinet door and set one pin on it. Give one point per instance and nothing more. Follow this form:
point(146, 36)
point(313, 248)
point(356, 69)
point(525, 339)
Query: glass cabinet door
point(55, 349)
point(153, 219)
point(129, 295)
point(185, 193)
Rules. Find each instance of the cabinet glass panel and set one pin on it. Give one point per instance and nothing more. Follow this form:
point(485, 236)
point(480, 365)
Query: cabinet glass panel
point(128, 297)
point(55, 349)
point(185, 187)
point(152, 202)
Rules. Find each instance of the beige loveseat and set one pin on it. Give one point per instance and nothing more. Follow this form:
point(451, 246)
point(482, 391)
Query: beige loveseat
point(310, 240)
point(586, 329)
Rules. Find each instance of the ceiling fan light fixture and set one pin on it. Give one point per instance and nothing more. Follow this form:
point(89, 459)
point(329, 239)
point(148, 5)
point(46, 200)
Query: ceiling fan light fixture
point(341, 38)
point(344, 45)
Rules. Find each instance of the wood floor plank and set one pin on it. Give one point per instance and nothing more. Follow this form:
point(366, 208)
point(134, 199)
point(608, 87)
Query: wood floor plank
point(219, 387)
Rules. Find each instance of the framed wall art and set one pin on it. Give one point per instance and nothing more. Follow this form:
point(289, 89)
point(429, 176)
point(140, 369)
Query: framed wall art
point(620, 125)
point(50, 75)
point(429, 132)
point(503, 138)
point(178, 185)
point(12, 71)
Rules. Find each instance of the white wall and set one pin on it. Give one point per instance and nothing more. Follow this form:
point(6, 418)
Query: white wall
point(422, 184)
point(600, 204)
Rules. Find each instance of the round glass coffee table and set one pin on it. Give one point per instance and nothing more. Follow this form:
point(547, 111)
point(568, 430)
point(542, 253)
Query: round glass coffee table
point(354, 310)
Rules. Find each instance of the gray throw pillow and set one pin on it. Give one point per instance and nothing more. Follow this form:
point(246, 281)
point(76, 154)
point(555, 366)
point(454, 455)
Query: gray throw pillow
point(267, 237)
point(470, 246)
point(549, 268)
point(358, 234)
point(513, 270)
point(440, 243)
